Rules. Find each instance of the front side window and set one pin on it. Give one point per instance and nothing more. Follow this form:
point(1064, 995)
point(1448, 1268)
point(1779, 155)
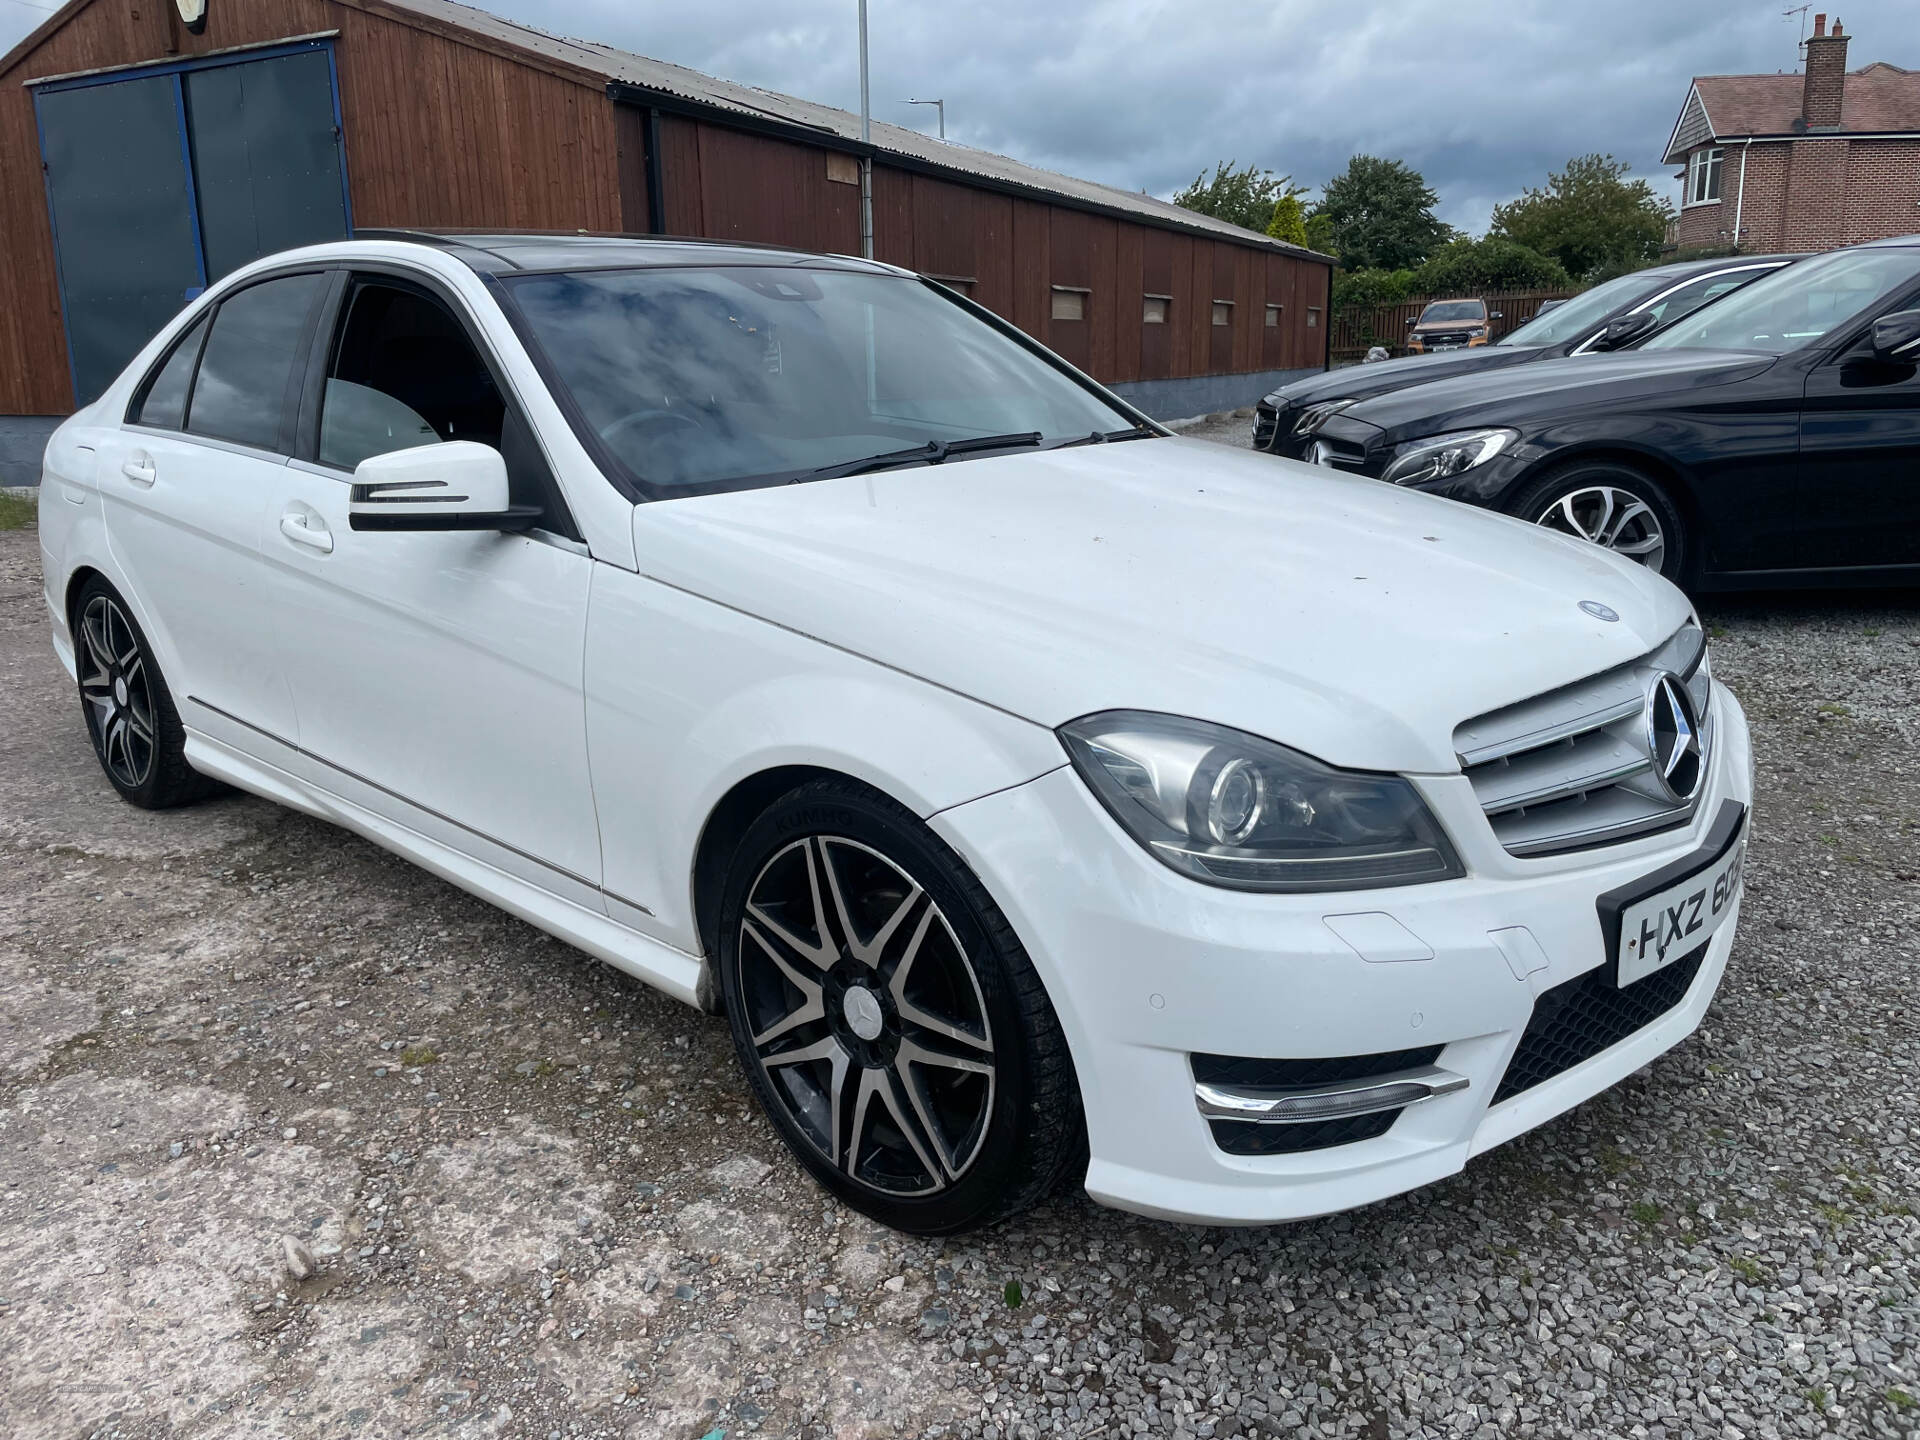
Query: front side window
point(1703, 176)
point(164, 406)
point(694, 379)
point(241, 390)
point(404, 373)
point(1689, 298)
point(1797, 306)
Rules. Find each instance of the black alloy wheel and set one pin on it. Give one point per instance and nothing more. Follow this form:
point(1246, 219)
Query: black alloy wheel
point(136, 732)
point(889, 1022)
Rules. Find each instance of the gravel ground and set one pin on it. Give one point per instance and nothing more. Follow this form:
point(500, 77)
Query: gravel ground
point(297, 1141)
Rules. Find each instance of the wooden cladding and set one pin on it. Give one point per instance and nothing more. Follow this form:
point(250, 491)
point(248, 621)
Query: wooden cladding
point(445, 128)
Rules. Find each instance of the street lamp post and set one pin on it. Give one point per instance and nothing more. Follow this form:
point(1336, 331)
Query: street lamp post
point(940, 107)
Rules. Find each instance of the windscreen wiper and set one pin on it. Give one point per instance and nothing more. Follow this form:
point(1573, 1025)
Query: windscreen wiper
point(1102, 437)
point(931, 453)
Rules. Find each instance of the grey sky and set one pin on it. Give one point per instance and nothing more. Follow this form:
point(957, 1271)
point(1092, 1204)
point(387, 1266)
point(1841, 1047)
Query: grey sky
point(1483, 98)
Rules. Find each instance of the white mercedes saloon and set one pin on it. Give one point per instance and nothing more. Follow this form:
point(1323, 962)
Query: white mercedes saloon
point(1038, 795)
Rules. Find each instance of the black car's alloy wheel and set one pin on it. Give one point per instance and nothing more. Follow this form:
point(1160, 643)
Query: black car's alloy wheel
point(889, 1022)
point(129, 711)
point(1612, 506)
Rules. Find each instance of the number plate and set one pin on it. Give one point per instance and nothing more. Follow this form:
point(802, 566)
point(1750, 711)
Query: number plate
point(1655, 929)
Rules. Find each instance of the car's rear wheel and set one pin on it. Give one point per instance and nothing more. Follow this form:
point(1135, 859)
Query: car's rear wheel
point(889, 1021)
point(136, 732)
point(1614, 506)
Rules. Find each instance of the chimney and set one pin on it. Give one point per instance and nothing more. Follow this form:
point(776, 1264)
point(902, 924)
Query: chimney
point(1826, 79)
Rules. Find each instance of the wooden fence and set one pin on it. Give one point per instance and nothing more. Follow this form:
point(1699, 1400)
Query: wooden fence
point(1355, 328)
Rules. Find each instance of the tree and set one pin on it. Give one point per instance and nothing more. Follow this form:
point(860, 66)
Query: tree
point(1494, 263)
point(1589, 217)
point(1289, 222)
point(1320, 232)
point(1244, 197)
point(1380, 215)
point(1364, 289)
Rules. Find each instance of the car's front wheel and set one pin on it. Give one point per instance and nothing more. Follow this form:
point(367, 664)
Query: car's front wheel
point(1614, 506)
point(136, 732)
point(888, 1020)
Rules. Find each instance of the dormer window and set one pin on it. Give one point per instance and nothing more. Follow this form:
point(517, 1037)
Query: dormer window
point(1703, 176)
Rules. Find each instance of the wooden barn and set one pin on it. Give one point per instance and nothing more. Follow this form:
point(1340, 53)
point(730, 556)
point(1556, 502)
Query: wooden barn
point(142, 157)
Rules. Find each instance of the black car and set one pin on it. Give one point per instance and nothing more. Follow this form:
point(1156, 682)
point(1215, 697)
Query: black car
point(1606, 317)
point(1771, 439)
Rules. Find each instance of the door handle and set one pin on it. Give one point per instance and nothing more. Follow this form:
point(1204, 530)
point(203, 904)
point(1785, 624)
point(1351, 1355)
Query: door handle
point(294, 526)
point(139, 469)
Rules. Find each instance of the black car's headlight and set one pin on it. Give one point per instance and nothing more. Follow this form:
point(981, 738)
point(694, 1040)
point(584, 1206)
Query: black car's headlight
point(1439, 456)
point(1234, 810)
point(1314, 416)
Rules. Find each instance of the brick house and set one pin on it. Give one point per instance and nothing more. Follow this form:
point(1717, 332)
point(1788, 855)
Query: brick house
point(1800, 161)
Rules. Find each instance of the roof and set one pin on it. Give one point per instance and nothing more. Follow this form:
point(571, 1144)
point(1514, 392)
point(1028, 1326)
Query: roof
point(1878, 98)
point(619, 67)
point(498, 252)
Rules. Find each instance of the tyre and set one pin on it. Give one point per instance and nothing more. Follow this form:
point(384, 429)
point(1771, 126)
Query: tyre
point(1614, 506)
point(136, 732)
point(888, 1020)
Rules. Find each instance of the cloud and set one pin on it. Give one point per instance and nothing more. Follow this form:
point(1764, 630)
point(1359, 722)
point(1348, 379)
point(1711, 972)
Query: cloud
point(1483, 98)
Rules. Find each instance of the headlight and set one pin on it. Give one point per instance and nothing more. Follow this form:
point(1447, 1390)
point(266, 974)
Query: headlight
point(1232, 809)
point(1478, 332)
point(1314, 416)
point(1444, 455)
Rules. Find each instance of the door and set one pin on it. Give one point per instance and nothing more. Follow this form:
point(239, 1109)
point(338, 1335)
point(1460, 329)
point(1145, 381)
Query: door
point(186, 485)
point(162, 182)
point(437, 676)
point(1860, 459)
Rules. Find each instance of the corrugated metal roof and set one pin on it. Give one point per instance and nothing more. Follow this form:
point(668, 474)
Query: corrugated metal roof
point(621, 67)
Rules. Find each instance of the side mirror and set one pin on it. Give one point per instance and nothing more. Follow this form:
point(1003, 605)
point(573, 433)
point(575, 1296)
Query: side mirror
point(1624, 330)
point(1896, 338)
point(1410, 321)
point(1496, 315)
point(458, 485)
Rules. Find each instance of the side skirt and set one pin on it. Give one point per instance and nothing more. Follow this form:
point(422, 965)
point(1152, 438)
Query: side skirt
point(679, 974)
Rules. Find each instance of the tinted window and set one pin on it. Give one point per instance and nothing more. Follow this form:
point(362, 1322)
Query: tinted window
point(1689, 298)
point(165, 403)
point(404, 374)
point(1581, 313)
point(749, 375)
point(241, 393)
point(1797, 306)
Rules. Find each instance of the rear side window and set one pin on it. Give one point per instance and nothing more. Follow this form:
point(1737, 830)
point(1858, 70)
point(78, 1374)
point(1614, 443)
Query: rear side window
point(164, 406)
point(241, 393)
point(1689, 298)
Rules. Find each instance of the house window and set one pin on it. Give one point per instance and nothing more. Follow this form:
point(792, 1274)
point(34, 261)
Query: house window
point(1703, 176)
point(1223, 312)
point(1154, 311)
point(1069, 302)
point(842, 169)
point(1273, 315)
point(1313, 317)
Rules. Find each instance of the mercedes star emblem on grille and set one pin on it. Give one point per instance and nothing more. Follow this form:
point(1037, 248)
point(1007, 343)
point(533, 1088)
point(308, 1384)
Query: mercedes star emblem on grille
point(1599, 611)
point(1673, 738)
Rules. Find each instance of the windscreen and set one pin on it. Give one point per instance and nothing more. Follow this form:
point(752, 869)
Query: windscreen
point(1444, 311)
point(1581, 313)
point(1795, 307)
point(720, 378)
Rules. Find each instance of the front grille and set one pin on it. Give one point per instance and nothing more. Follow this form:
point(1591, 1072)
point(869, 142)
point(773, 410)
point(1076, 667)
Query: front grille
point(1445, 337)
point(1266, 424)
point(1574, 1022)
point(1245, 1137)
point(1236, 1137)
point(1573, 768)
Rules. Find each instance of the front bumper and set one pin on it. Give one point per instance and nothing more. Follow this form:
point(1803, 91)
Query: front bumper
point(1147, 969)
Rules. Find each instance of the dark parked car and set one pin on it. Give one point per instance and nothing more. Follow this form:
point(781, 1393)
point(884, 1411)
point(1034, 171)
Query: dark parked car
point(1286, 420)
point(1771, 439)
